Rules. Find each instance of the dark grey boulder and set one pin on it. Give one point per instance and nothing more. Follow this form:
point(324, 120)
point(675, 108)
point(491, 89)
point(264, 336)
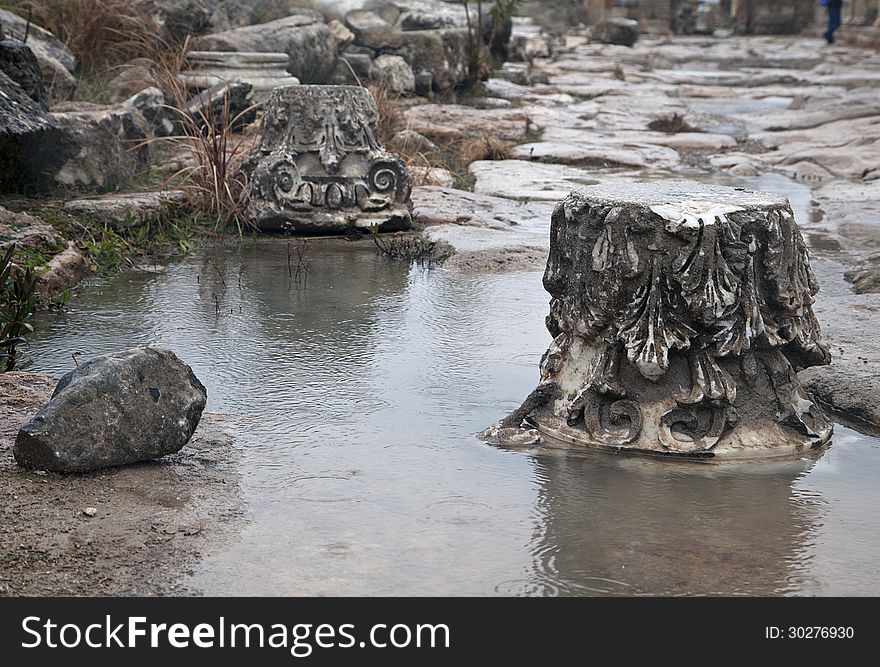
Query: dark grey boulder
point(179, 18)
point(865, 277)
point(624, 32)
point(119, 408)
point(28, 137)
point(20, 64)
point(55, 59)
point(103, 145)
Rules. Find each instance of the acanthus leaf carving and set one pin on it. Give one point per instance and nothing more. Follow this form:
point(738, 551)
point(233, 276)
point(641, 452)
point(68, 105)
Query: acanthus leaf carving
point(653, 327)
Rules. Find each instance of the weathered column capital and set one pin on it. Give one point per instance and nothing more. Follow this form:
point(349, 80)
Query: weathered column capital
point(680, 314)
point(320, 166)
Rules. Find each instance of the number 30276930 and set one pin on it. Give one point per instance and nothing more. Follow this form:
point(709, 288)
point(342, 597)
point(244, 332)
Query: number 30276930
point(809, 632)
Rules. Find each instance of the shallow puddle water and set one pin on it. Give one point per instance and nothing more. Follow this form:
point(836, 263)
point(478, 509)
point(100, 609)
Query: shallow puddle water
point(359, 389)
point(359, 394)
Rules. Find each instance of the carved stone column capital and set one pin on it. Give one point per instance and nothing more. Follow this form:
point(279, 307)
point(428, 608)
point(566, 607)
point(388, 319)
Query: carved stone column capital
point(680, 314)
point(320, 167)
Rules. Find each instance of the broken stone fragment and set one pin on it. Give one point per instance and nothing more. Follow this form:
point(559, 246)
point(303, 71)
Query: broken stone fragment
point(680, 314)
point(136, 405)
point(152, 105)
point(230, 102)
point(396, 73)
point(64, 271)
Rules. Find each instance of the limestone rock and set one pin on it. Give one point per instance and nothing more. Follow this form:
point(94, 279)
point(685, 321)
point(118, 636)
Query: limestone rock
point(528, 181)
point(151, 103)
point(411, 141)
point(20, 65)
point(27, 231)
point(412, 15)
point(602, 150)
point(307, 41)
point(229, 14)
point(116, 409)
point(446, 206)
point(426, 175)
point(132, 79)
point(372, 30)
point(440, 53)
point(128, 209)
point(64, 271)
point(396, 72)
point(456, 121)
point(341, 34)
point(422, 15)
point(337, 9)
point(320, 167)
point(102, 144)
point(431, 37)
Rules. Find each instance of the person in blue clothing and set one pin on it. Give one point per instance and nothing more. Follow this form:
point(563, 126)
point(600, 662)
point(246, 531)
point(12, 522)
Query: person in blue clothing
point(834, 7)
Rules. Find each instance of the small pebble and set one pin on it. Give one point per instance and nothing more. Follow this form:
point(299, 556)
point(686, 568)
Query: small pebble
point(90, 511)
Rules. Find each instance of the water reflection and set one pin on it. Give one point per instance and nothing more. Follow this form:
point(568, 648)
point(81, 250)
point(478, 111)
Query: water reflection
point(629, 525)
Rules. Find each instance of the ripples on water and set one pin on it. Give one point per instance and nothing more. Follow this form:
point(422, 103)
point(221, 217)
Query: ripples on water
point(361, 393)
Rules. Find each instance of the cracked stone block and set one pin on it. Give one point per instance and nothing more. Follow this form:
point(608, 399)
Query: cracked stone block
point(681, 314)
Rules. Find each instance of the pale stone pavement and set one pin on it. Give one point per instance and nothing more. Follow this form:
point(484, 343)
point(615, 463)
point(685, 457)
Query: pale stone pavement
point(788, 112)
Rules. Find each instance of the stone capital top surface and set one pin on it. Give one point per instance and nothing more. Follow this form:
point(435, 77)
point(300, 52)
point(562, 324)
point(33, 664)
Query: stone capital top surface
point(242, 56)
point(667, 192)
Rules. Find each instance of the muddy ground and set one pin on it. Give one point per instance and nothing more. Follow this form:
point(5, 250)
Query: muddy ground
point(153, 520)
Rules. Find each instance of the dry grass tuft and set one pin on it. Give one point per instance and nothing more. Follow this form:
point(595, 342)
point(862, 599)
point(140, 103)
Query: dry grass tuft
point(387, 103)
point(100, 33)
point(672, 125)
point(486, 148)
point(207, 136)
